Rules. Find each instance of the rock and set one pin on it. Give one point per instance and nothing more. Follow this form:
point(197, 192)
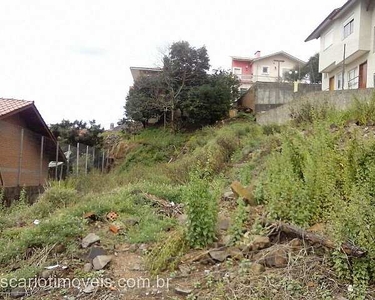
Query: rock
point(182, 219)
point(137, 267)
point(257, 269)
point(276, 259)
point(245, 193)
point(101, 261)
point(183, 291)
point(235, 253)
point(89, 289)
point(130, 222)
point(17, 292)
point(295, 244)
point(226, 239)
point(94, 252)
point(219, 255)
point(228, 196)
point(185, 270)
point(46, 274)
point(259, 243)
point(133, 248)
point(223, 224)
point(89, 240)
point(58, 249)
point(87, 267)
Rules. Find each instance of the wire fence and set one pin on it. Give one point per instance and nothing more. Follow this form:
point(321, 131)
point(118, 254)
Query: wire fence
point(30, 157)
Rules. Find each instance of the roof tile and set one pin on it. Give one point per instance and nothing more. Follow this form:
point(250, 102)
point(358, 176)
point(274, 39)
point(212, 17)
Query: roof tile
point(9, 105)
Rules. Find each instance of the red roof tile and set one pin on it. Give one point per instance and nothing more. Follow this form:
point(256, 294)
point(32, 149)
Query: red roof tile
point(9, 105)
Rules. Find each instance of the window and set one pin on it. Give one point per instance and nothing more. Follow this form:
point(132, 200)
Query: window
point(352, 79)
point(237, 71)
point(339, 81)
point(348, 28)
point(328, 40)
point(265, 70)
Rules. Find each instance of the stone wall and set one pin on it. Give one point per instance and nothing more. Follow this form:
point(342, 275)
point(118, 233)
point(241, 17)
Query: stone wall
point(338, 99)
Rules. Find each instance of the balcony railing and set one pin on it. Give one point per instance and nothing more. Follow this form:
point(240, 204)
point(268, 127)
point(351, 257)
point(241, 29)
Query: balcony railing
point(262, 78)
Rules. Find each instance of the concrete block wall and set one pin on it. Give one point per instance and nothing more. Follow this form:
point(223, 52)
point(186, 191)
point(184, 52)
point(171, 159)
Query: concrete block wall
point(338, 99)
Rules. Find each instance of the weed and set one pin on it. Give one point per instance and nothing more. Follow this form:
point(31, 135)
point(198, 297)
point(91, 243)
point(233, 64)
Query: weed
point(237, 225)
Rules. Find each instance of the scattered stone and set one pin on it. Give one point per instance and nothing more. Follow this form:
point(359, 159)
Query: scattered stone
point(94, 252)
point(259, 243)
point(276, 259)
point(130, 222)
point(228, 196)
point(143, 248)
point(133, 248)
point(226, 239)
point(219, 255)
point(101, 261)
point(87, 267)
point(58, 249)
point(223, 224)
point(17, 292)
point(89, 289)
point(257, 269)
point(46, 274)
point(90, 239)
point(295, 243)
point(183, 291)
point(138, 267)
point(245, 193)
point(235, 253)
point(185, 270)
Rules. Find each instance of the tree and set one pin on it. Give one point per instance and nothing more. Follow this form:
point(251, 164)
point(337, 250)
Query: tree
point(78, 132)
point(211, 102)
point(309, 71)
point(146, 99)
point(184, 86)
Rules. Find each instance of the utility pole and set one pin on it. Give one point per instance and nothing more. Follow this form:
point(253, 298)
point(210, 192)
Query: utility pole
point(343, 68)
point(278, 68)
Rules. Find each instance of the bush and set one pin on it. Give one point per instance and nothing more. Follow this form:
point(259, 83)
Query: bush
point(202, 209)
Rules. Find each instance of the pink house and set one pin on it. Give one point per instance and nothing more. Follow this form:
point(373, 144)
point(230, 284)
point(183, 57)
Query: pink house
point(268, 68)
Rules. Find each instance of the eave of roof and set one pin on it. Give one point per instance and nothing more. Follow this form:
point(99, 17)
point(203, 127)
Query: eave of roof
point(145, 69)
point(9, 106)
point(280, 53)
point(240, 58)
point(327, 21)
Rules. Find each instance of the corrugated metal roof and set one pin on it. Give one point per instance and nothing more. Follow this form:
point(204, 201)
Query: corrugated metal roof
point(9, 105)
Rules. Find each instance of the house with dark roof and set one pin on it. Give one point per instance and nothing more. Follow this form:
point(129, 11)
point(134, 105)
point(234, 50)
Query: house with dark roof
point(267, 68)
point(347, 46)
point(27, 146)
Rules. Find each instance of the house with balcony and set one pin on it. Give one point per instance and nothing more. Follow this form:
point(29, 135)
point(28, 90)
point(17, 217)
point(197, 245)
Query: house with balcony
point(347, 46)
point(268, 68)
point(142, 71)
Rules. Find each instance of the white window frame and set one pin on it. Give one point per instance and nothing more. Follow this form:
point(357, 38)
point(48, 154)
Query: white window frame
point(352, 86)
point(339, 80)
point(268, 70)
point(349, 22)
point(329, 33)
point(237, 68)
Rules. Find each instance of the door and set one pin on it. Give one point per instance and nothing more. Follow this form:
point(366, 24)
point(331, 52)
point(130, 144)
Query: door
point(363, 76)
point(332, 83)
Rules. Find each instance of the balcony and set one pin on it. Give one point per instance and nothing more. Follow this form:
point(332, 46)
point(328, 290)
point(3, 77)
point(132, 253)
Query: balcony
point(245, 78)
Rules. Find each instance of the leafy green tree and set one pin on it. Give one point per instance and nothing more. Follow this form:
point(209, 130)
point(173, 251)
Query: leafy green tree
point(309, 71)
point(78, 132)
point(211, 102)
point(183, 85)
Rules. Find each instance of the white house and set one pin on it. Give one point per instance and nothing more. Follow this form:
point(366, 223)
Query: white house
point(268, 68)
point(347, 46)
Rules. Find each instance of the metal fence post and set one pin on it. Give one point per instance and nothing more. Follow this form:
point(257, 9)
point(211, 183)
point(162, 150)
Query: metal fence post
point(20, 159)
point(93, 157)
point(68, 161)
point(77, 159)
point(57, 160)
point(87, 157)
point(41, 160)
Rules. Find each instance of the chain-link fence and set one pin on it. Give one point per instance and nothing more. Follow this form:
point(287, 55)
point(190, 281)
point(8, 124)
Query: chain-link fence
point(30, 157)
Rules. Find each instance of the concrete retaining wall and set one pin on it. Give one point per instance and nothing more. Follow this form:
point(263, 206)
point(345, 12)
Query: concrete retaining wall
point(338, 99)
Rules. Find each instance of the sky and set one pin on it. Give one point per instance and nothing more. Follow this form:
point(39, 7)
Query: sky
point(73, 57)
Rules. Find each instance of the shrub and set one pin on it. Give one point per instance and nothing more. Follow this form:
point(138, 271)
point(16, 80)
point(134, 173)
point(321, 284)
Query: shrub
point(202, 209)
point(238, 223)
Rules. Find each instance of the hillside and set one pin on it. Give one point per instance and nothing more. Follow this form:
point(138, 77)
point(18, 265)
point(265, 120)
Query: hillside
point(233, 211)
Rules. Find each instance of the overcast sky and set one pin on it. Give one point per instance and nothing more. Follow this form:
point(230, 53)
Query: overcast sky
point(73, 57)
